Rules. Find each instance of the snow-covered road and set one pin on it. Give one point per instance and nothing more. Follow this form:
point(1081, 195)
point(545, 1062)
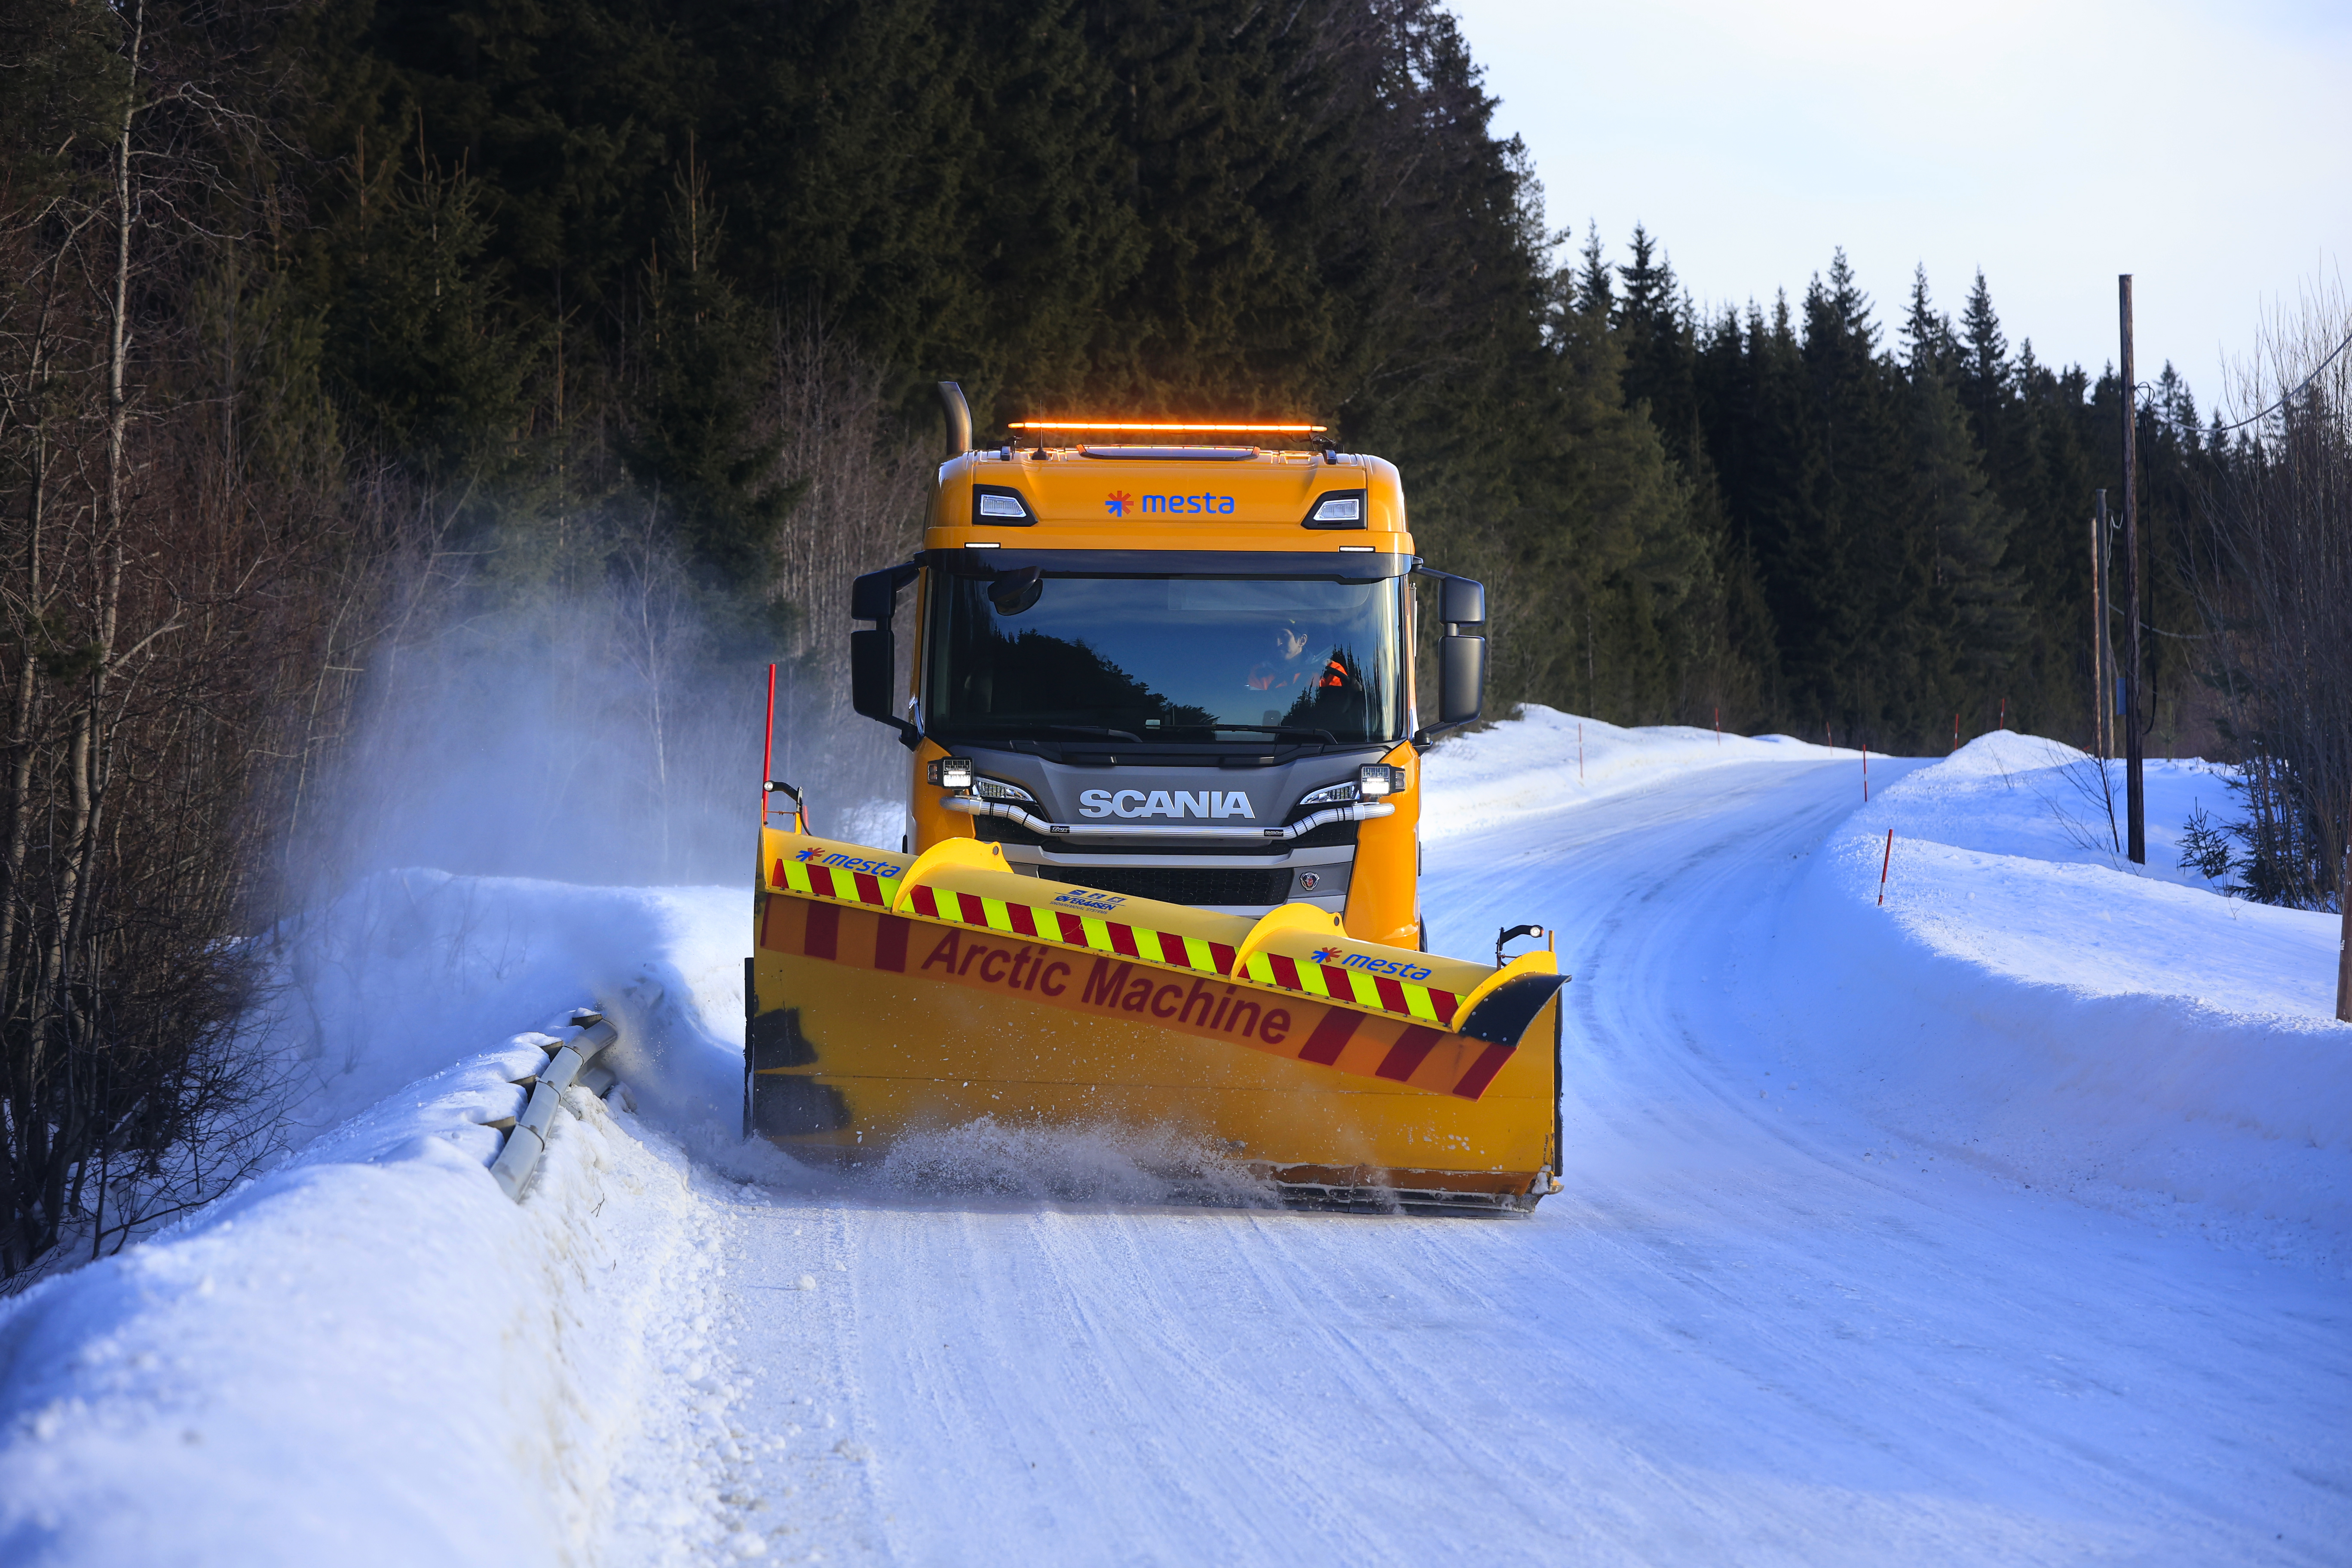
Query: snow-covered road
point(1755, 1328)
point(2004, 1222)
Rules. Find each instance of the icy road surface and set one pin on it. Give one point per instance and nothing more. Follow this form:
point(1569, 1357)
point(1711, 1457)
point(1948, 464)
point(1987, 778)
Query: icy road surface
point(1758, 1326)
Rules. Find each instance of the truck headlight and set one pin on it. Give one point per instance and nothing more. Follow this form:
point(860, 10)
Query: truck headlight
point(1329, 794)
point(997, 789)
point(1376, 779)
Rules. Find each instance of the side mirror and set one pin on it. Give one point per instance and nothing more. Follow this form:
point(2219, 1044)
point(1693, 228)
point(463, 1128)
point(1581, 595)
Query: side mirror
point(873, 595)
point(1461, 602)
point(872, 654)
point(1461, 654)
point(1461, 677)
point(873, 650)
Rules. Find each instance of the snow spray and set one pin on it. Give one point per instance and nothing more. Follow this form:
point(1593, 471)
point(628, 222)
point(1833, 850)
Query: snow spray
point(1884, 861)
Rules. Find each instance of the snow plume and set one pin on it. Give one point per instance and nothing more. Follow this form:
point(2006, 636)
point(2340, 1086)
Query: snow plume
point(605, 736)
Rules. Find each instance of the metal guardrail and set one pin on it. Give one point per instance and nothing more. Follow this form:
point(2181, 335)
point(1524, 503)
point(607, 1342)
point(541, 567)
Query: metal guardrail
point(528, 1138)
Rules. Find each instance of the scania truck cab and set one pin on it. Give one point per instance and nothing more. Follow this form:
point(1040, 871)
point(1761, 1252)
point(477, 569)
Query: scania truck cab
point(1172, 662)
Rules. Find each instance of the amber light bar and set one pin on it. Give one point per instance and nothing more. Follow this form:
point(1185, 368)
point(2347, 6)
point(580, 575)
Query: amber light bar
point(1128, 424)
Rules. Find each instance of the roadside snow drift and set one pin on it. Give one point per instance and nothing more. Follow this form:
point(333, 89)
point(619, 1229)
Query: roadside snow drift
point(2028, 999)
point(371, 1354)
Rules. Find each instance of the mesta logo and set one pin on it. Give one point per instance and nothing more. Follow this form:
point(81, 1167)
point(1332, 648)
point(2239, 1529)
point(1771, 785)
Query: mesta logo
point(1323, 955)
point(805, 856)
point(1116, 503)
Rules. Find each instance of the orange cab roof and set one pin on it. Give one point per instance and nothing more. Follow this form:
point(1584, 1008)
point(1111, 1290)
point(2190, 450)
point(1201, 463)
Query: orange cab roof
point(1166, 498)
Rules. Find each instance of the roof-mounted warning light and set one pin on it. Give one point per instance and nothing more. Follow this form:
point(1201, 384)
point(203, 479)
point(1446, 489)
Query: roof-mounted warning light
point(1108, 425)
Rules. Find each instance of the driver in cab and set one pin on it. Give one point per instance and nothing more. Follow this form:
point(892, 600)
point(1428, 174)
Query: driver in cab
point(1291, 667)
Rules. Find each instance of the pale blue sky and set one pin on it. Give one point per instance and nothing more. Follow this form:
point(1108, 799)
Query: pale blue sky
point(2206, 148)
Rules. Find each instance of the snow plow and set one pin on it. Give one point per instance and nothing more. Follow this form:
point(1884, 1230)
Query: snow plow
point(1161, 854)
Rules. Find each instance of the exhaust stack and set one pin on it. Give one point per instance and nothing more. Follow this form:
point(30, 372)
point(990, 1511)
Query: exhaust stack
point(959, 415)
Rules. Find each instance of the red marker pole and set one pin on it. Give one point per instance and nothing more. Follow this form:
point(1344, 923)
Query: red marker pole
point(768, 749)
point(1580, 750)
point(1884, 861)
point(2004, 713)
point(1719, 726)
point(1865, 776)
point(1955, 731)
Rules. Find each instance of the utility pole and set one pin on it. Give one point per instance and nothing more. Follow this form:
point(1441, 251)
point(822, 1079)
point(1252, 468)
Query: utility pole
point(2134, 793)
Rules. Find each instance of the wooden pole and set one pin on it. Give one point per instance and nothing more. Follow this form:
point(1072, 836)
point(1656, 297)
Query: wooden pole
point(2135, 791)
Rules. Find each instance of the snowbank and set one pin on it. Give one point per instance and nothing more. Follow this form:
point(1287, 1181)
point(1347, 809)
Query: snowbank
point(2028, 999)
point(1546, 759)
point(370, 1354)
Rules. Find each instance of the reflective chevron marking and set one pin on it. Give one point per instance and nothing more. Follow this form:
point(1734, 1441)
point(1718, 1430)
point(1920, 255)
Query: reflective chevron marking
point(1379, 993)
point(822, 881)
point(1096, 978)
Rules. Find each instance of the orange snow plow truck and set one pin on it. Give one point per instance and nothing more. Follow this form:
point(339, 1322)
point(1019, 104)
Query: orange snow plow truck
point(1161, 859)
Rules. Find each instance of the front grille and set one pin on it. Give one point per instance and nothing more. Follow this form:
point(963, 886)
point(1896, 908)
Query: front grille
point(1180, 884)
point(996, 830)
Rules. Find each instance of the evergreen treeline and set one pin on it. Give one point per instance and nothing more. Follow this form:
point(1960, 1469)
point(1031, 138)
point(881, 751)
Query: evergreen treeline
point(580, 228)
point(347, 346)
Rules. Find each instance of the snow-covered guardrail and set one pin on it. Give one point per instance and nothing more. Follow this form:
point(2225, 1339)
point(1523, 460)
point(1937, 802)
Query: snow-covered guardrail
point(526, 1138)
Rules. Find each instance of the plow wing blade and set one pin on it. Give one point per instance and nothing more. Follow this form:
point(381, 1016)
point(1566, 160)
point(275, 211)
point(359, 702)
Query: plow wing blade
point(892, 994)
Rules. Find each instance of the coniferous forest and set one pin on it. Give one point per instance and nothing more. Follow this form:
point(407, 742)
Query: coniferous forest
point(349, 347)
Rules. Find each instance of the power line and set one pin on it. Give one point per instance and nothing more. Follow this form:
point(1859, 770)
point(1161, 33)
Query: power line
point(2281, 402)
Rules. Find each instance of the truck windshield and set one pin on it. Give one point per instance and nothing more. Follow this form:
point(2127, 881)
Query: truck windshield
point(1172, 657)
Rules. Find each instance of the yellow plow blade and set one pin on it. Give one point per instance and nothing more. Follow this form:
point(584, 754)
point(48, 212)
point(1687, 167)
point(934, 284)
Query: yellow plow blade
point(894, 995)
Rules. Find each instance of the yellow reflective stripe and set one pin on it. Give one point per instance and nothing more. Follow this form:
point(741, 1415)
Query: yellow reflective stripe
point(1362, 989)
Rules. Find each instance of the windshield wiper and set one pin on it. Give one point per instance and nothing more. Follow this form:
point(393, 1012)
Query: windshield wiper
point(1324, 736)
point(1009, 728)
